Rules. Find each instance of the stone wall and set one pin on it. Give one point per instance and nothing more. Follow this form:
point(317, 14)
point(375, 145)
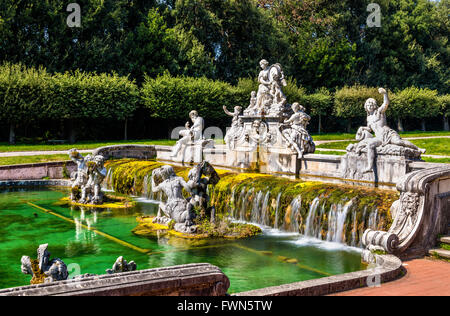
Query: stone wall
point(38, 171)
point(127, 151)
point(187, 280)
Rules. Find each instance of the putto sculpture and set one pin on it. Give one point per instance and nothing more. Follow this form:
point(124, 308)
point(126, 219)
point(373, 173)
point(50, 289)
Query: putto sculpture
point(178, 209)
point(377, 138)
point(43, 269)
point(200, 177)
point(87, 180)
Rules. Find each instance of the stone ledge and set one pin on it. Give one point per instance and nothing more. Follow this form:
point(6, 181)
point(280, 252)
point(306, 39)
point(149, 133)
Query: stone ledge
point(389, 269)
point(34, 183)
point(127, 151)
point(186, 280)
point(37, 171)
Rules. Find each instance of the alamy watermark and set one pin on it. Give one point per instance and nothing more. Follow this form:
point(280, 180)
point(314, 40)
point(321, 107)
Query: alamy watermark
point(74, 18)
point(374, 18)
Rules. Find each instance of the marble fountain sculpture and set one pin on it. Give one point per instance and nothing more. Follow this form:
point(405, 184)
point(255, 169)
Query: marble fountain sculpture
point(177, 209)
point(380, 151)
point(270, 135)
point(192, 143)
point(87, 180)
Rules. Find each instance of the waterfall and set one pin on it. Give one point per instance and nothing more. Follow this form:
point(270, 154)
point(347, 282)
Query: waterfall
point(265, 210)
point(291, 223)
point(309, 226)
point(277, 210)
point(256, 209)
point(336, 222)
point(355, 228)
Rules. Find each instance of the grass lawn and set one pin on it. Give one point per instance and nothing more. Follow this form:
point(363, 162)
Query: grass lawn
point(4, 161)
point(5, 147)
point(434, 146)
point(348, 136)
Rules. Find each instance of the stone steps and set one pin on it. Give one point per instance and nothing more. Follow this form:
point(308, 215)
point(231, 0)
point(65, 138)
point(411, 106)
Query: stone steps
point(441, 253)
point(445, 240)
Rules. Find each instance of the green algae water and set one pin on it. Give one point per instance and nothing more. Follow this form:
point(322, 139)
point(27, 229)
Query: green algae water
point(90, 242)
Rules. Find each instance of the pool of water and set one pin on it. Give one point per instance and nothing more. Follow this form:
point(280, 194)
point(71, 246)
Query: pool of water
point(274, 258)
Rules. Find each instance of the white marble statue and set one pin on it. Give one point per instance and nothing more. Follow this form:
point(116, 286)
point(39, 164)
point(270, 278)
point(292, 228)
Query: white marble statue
point(177, 208)
point(270, 99)
point(52, 269)
point(384, 135)
point(296, 134)
point(80, 177)
point(236, 125)
point(91, 192)
point(190, 134)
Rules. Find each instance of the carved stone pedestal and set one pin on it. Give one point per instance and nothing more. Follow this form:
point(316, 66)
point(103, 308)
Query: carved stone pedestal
point(192, 152)
point(388, 168)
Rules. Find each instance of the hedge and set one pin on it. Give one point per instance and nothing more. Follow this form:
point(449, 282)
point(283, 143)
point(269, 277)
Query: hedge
point(28, 94)
point(172, 98)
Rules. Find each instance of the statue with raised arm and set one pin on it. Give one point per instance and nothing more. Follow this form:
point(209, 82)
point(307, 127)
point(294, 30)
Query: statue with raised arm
point(384, 135)
point(296, 134)
point(177, 208)
point(236, 125)
point(190, 134)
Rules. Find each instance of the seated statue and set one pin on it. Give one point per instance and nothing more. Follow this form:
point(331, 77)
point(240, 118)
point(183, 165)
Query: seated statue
point(177, 208)
point(384, 136)
point(252, 109)
point(190, 134)
point(270, 99)
point(296, 134)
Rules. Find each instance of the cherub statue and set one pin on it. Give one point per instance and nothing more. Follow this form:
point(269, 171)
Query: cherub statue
point(377, 124)
point(91, 192)
point(296, 134)
point(80, 177)
point(200, 177)
point(176, 208)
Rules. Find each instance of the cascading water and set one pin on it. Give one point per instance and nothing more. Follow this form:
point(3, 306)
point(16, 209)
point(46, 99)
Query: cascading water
point(325, 211)
point(342, 222)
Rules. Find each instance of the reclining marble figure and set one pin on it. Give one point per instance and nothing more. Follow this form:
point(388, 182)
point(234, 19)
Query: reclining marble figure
point(386, 139)
point(190, 134)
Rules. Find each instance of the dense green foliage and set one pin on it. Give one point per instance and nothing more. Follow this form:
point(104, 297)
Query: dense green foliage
point(319, 42)
point(417, 103)
point(325, 47)
point(171, 98)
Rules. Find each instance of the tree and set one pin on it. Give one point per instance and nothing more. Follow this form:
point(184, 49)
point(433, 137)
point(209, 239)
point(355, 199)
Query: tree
point(415, 103)
point(21, 95)
point(236, 33)
point(349, 102)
